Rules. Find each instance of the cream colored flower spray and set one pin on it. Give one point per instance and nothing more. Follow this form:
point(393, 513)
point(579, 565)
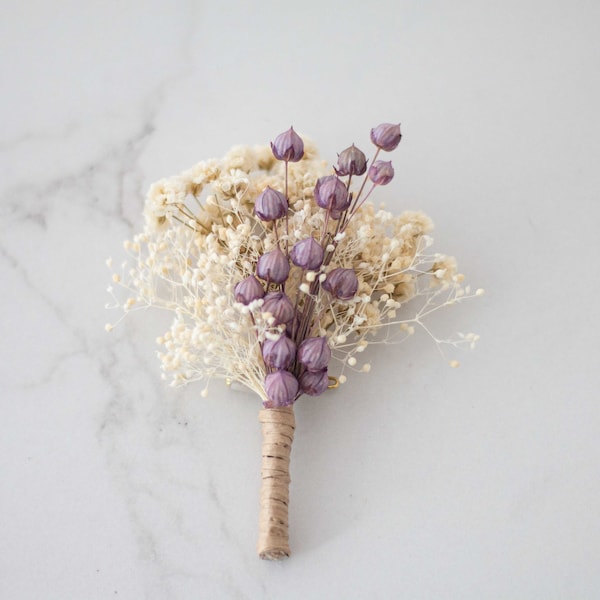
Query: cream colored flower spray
point(280, 273)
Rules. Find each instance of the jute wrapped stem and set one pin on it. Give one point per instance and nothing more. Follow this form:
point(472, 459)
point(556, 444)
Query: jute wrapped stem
point(278, 426)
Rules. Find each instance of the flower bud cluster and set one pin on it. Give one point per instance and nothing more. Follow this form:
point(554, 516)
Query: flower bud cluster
point(314, 355)
point(296, 362)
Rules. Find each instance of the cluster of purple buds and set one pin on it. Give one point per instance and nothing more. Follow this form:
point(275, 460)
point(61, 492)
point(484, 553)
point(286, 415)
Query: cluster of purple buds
point(314, 355)
point(298, 365)
point(281, 386)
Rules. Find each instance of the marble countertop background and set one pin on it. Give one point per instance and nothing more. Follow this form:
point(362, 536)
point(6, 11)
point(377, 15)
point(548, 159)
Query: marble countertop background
point(414, 481)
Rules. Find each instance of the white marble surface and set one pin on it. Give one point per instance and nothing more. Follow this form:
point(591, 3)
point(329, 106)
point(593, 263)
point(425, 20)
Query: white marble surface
point(418, 481)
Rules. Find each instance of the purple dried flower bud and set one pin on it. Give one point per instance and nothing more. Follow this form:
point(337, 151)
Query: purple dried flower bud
point(273, 266)
point(288, 146)
point(280, 353)
point(351, 161)
point(248, 289)
point(314, 353)
point(280, 306)
point(307, 254)
point(314, 383)
point(281, 388)
point(330, 192)
point(270, 205)
point(381, 172)
point(341, 283)
point(386, 136)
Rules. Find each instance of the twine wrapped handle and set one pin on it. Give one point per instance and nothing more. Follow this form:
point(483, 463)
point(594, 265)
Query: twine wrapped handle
point(278, 426)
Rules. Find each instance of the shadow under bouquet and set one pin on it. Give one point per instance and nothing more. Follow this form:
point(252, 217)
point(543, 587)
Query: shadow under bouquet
point(280, 273)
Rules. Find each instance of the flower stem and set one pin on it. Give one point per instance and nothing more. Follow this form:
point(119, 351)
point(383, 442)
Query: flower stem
point(362, 187)
point(287, 229)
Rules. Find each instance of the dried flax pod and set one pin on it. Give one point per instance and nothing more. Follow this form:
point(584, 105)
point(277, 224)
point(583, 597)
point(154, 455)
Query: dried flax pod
point(280, 273)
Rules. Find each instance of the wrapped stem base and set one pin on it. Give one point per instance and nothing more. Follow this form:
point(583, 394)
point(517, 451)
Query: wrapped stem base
point(278, 426)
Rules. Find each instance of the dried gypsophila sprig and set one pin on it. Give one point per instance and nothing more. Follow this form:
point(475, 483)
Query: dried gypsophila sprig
point(202, 237)
point(271, 268)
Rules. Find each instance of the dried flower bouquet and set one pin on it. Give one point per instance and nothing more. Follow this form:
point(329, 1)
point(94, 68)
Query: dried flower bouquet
point(279, 273)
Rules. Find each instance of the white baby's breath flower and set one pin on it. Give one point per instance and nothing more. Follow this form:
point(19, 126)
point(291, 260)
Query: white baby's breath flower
point(202, 238)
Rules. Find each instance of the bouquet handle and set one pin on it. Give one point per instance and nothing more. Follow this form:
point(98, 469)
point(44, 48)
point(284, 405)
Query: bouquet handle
point(278, 426)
